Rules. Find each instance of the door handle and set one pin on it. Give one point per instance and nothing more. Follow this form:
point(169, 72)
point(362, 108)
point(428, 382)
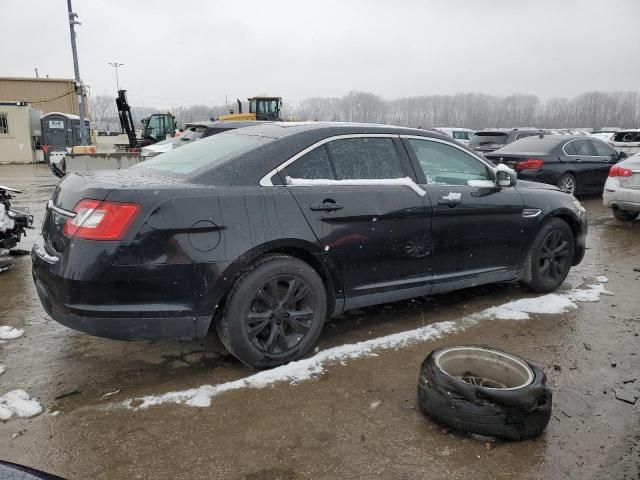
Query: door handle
point(327, 205)
point(450, 203)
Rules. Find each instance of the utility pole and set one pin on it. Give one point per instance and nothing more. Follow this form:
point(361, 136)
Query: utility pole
point(76, 68)
point(116, 65)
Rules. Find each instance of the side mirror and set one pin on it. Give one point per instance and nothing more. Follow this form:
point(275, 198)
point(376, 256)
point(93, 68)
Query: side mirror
point(505, 178)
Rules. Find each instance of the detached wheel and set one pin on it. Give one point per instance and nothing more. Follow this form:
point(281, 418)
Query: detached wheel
point(274, 313)
point(568, 184)
point(550, 256)
point(624, 215)
point(485, 391)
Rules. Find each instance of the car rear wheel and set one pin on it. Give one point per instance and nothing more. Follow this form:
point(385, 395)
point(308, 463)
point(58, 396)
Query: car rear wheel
point(274, 313)
point(550, 256)
point(624, 215)
point(568, 184)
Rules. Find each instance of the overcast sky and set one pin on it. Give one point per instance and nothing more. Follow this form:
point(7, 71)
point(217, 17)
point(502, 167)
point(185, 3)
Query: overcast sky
point(199, 51)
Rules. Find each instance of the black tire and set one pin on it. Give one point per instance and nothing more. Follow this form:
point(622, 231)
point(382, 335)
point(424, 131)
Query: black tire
point(624, 215)
point(508, 413)
point(257, 303)
point(568, 184)
point(548, 261)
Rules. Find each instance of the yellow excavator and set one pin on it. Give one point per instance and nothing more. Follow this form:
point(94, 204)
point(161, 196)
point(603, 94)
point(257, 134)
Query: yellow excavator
point(260, 108)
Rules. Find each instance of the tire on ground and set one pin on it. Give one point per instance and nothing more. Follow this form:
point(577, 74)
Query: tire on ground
point(230, 321)
point(510, 414)
point(533, 277)
point(568, 177)
point(624, 215)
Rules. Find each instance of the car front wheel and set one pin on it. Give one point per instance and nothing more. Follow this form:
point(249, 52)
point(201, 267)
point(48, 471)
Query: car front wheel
point(274, 313)
point(550, 256)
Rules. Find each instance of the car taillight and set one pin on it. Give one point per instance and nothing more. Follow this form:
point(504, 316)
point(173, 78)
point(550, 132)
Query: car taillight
point(618, 171)
point(529, 164)
point(96, 220)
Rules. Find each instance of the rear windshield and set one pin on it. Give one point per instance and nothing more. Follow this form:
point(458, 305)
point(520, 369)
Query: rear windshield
point(206, 153)
point(627, 137)
point(482, 138)
point(535, 144)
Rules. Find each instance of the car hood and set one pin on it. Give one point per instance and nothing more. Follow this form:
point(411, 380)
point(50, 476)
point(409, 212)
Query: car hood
point(536, 185)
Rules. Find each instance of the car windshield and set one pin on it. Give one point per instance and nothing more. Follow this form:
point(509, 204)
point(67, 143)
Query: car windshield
point(536, 144)
point(486, 138)
point(208, 152)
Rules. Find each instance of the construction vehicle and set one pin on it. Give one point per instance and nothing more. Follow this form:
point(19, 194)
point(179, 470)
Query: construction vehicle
point(260, 108)
point(155, 128)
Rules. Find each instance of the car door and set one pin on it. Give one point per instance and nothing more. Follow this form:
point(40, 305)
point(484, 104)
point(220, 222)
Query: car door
point(584, 162)
point(475, 230)
point(375, 227)
point(607, 157)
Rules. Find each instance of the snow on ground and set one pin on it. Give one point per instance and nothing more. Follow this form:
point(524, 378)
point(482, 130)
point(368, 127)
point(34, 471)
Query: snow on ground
point(19, 403)
point(3, 368)
point(305, 369)
point(9, 333)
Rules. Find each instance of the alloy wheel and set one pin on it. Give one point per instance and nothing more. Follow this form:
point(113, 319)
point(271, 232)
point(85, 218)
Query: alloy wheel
point(280, 315)
point(568, 185)
point(554, 256)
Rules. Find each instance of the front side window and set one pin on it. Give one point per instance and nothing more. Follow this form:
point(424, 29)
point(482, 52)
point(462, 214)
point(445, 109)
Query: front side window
point(443, 164)
point(365, 158)
point(602, 149)
point(311, 166)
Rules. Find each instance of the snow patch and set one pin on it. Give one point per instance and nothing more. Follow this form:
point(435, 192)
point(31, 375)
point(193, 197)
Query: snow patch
point(602, 279)
point(9, 333)
point(3, 368)
point(403, 182)
point(452, 196)
point(308, 368)
point(19, 403)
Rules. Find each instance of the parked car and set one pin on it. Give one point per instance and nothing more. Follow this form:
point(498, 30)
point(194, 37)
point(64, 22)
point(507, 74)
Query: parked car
point(622, 189)
point(575, 164)
point(627, 141)
point(604, 136)
point(486, 141)
point(463, 135)
point(264, 231)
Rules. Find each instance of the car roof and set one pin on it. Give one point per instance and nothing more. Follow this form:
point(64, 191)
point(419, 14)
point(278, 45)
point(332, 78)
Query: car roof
point(283, 129)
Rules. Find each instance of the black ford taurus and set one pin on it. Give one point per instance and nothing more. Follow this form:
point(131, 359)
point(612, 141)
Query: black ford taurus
point(264, 231)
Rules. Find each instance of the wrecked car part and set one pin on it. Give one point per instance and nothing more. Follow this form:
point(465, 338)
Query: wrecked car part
point(484, 391)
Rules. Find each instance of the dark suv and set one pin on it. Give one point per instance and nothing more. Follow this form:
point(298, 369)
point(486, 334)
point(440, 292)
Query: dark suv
point(266, 230)
point(486, 141)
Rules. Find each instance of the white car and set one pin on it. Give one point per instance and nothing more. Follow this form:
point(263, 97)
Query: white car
point(622, 189)
point(604, 136)
point(463, 135)
point(627, 141)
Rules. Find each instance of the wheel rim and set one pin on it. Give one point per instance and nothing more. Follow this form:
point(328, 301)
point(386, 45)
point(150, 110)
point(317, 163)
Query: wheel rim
point(280, 315)
point(554, 256)
point(568, 185)
point(484, 367)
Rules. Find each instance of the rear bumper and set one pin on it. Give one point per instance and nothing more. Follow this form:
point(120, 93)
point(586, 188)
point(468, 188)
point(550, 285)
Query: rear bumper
point(123, 327)
point(617, 196)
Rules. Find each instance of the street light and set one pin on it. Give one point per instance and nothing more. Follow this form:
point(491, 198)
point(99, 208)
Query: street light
point(116, 65)
point(73, 21)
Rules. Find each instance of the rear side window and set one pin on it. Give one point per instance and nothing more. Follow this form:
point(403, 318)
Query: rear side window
point(446, 165)
point(602, 148)
point(582, 147)
point(313, 165)
point(365, 158)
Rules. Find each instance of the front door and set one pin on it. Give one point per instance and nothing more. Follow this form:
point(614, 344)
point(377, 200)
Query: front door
point(475, 230)
point(374, 228)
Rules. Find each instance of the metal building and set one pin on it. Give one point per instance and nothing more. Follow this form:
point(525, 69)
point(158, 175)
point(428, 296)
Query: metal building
point(19, 132)
point(46, 94)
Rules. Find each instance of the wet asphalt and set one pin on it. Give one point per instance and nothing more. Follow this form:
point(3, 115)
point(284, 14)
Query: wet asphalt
point(356, 420)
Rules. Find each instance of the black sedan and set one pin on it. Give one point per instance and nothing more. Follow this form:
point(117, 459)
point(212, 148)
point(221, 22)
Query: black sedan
point(575, 164)
point(266, 230)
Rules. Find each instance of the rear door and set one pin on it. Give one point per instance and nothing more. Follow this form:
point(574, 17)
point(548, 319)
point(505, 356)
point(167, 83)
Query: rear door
point(585, 163)
point(476, 231)
point(377, 231)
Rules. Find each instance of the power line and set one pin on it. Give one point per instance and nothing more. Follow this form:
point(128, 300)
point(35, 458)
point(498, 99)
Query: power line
point(51, 99)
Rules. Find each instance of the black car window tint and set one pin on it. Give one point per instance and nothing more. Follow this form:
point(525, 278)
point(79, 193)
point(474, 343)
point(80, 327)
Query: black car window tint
point(313, 165)
point(365, 158)
point(446, 165)
point(583, 147)
point(602, 149)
